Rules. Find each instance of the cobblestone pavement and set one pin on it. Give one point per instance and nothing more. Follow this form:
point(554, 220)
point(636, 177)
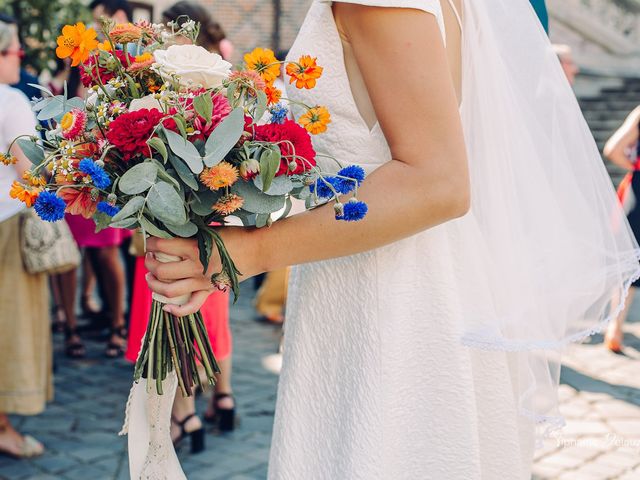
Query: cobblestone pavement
point(600, 392)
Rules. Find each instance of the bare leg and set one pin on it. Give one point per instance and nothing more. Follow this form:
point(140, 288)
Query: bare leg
point(12, 443)
point(89, 305)
point(182, 408)
point(614, 335)
point(67, 287)
point(223, 384)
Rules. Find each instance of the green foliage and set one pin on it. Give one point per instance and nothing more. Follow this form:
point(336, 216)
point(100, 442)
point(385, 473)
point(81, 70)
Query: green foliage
point(40, 22)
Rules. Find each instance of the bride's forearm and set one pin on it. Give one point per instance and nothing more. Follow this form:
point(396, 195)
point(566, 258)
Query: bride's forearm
point(402, 201)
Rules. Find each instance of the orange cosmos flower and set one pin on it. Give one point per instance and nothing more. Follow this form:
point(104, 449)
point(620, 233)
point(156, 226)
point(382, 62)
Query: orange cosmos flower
point(79, 201)
point(305, 72)
point(26, 194)
point(316, 119)
point(125, 33)
point(228, 204)
point(104, 46)
point(263, 61)
point(76, 42)
point(273, 94)
point(222, 175)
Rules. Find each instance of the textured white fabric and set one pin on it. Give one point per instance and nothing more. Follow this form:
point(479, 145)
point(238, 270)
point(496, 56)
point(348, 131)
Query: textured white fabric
point(16, 119)
point(375, 383)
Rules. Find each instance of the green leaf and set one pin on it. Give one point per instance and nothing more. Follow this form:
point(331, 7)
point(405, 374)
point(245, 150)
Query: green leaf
point(205, 246)
point(182, 125)
point(203, 201)
point(224, 138)
point(132, 207)
point(279, 186)
point(165, 204)
point(164, 174)
point(261, 107)
point(254, 200)
point(126, 223)
point(231, 92)
point(152, 229)
point(185, 150)
point(269, 164)
point(262, 219)
point(287, 208)
point(51, 108)
point(32, 150)
point(158, 145)
point(203, 105)
point(183, 172)
point(102, 221)
point(187, 230)
point(138, 178)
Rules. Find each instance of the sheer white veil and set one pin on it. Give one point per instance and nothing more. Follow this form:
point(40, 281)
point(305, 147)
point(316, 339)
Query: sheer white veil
point(548, 254)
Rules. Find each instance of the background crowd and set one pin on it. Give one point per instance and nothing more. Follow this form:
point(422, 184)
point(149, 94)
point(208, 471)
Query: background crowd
point(77, 304)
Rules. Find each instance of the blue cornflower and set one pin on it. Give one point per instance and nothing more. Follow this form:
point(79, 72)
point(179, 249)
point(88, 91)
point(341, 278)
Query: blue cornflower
point(353, 172)
point(323, 189)
point(50, 207)
point(98, 175)
point(354, 210)
point(279, 113)
point(108, 209)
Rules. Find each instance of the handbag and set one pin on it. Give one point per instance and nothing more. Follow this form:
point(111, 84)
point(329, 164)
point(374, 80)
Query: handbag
point(47, 247)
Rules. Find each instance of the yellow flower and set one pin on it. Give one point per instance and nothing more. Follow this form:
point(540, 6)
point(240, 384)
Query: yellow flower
point(228, 204)
point(8, 159)
point(222, 175)
point(125, 33)
point(263, 61)
point(34, 181)
point(76, 42)
point(104, 46)
point(305, 72)
point(316, 119)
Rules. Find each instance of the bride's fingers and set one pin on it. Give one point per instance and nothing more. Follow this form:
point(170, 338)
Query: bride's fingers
point(179, 247)
point(172, 270)
point(192, 306)
point(179, 287)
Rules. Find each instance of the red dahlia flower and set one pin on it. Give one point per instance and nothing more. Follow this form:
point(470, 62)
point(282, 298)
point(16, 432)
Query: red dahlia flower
point(295, 141)
point(130, 131)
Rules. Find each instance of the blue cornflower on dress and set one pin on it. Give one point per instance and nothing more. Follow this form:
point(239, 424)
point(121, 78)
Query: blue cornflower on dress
point(279, 113)
point(108, 209)
point(354, 210)
point(354, 173)
point(50, 207)
point(98, 176)
point(323, 190)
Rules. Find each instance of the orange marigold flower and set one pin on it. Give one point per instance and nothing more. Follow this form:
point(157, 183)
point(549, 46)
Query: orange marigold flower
point(219, 176)
point(316, 119)
point(77, 42)
point(104, 46)
point(273, 94)
point(125, 33)
point(263, 61)
point(8, 159)
point(34, 180)
point(305, 72)
point(228, 204)
point(26, 194)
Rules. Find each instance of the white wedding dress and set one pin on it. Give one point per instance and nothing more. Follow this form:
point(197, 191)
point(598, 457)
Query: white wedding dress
point(375, 384)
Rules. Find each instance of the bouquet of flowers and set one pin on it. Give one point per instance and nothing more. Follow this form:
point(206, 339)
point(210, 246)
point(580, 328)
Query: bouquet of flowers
point(173, 141)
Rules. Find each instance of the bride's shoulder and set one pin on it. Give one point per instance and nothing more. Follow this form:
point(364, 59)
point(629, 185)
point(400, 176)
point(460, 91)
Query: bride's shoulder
point(431, 6)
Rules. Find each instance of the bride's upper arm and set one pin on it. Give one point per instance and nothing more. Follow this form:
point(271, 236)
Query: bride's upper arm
point(401, 55)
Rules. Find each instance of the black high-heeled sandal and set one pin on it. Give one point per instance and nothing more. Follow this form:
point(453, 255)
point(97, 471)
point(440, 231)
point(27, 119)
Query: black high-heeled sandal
point(197, 436)
point(73, 349)
point(115, 350)
point(223, 418)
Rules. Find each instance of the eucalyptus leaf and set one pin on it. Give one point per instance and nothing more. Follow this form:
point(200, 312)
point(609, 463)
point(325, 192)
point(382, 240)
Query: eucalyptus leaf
point(279, 186)
point(224, 138)
point(158, 145)
point(164, 174)
point(185, 150)
point(130, 222)
point(75, 102)
point(287, 208)
point(32, 150)
point(262, 219)
point(138, 178)
point(53, 108)
point(102, 221)
point(132, 207)
point(187, 230)
point(254, 200)
point(203, 201)
point(184, 172)
point(152, 229)
point(231, 92)
point(203, 105)
point(41, 88)
point(181, 124)
point(261, 107)
point(269, 165)
point(164, 202)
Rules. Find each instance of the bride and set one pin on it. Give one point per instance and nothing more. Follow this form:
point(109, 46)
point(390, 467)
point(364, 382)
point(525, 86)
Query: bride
point(423, 342)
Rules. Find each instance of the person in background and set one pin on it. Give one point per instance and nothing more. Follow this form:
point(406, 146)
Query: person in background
point(569, 66)
point(25, 338)
point(623, 150)
point(120, 11)
point(215, 311)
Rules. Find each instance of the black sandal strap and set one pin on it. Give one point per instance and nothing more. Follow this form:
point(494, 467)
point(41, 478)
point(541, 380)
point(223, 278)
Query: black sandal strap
point(182, 423)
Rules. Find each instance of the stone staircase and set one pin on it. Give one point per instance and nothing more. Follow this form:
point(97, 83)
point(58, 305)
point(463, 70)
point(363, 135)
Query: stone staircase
point(606, 111)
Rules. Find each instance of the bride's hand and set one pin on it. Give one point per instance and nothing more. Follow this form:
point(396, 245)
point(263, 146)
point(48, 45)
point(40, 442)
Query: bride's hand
point(186, 276)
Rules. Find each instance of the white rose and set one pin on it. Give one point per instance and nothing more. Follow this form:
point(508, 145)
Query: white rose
point(148, 102)
point(192, 65)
